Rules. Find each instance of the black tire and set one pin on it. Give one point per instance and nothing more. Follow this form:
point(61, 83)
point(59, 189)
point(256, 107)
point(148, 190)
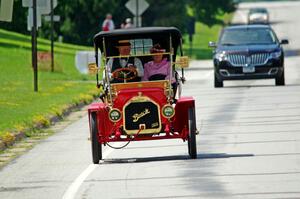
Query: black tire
point(192, 147)
point(218, 83)
point(96, 146)
point(280, 81)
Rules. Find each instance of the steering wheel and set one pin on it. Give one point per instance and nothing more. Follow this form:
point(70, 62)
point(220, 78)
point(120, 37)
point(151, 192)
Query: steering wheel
point(125, 73)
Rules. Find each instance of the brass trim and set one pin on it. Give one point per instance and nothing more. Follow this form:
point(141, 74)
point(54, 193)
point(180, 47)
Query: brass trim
point(147, 84)
point(144, 131)
point(114, 109)
point(162, 111)
point(93, 69)
point(183, 62)
point(143, 55)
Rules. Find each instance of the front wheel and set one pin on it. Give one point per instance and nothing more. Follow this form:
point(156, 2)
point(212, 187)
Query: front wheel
point(96, 146)
point(279, 81)
point(192, 148)
point(218, 83)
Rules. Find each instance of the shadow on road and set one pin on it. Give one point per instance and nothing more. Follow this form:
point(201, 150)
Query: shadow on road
point(254, 86)
point(292, 53)
point(199, 68)
point(223, 155)
point(172, 158)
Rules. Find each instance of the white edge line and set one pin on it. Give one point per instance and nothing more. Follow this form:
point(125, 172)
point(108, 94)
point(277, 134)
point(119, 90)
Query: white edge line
point(73, 188)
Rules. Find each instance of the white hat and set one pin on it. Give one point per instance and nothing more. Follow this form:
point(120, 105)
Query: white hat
point(128, 20)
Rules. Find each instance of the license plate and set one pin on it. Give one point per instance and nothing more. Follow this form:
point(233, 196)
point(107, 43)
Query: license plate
point(249, 69)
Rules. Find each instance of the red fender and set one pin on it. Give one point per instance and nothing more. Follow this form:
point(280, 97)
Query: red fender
point(105, 126)
point(181, 113)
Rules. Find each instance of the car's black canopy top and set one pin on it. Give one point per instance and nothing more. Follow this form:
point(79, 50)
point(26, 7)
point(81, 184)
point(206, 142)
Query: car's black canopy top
point(157, 34)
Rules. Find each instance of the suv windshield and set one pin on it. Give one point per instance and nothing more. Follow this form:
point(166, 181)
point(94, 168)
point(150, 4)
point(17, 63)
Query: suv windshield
point(258, 10)
point(248, 36)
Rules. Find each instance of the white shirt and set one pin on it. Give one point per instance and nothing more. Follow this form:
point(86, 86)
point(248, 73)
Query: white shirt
point(137, 63)
point(111, 25)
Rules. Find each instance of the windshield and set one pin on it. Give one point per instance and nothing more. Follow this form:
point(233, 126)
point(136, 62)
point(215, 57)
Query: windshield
point(248, 36)
point(258, 11)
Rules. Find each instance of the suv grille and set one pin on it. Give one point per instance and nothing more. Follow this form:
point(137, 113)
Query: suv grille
point(254, 59)
point(142, 113)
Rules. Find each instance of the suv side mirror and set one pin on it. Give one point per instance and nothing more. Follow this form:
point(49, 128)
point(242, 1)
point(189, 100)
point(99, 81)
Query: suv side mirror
point(284, 41)
point(212, 44)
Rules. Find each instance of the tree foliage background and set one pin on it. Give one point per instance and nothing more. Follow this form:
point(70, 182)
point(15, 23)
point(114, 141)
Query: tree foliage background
point(82, 19)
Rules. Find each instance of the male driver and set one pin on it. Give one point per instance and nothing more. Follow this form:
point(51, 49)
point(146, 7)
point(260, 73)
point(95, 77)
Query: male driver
point(124, 48)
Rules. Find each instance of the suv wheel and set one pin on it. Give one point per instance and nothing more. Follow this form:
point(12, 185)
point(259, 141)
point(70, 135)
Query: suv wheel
point(279, 81)
point(218, 83)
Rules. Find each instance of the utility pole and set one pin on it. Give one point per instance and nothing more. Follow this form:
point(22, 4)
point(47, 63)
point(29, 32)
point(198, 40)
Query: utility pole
point(34, 46)
point(137, 14)
point(52, 37)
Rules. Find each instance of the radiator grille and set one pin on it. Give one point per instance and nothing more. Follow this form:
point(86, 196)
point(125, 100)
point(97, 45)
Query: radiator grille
point(142, 113)
point(254, 59)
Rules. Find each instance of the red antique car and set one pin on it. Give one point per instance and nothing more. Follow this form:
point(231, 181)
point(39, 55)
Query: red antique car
point(133, 109)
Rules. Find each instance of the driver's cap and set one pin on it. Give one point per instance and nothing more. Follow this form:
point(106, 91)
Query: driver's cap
point(124, 43)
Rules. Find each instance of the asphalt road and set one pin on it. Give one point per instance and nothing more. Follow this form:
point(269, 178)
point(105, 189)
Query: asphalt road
point(248, 147)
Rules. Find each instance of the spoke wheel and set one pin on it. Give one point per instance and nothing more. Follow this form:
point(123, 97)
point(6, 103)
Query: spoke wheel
point(96, 146)
point(192, 147)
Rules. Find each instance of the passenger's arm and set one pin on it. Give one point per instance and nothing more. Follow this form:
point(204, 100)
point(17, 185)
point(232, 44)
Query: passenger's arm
point(109, 64)
point(168, 65)
point(139, 67)
point(146, 73)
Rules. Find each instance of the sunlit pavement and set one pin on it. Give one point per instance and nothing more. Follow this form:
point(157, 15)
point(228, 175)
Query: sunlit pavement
point(248, 146)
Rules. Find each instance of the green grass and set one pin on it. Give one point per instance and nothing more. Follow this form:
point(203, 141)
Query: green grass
point(204, 34)
point(19, 105)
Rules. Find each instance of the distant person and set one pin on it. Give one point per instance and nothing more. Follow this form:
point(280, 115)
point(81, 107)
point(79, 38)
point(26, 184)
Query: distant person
point(108, 23)
point(128, 23)
point(122, 25)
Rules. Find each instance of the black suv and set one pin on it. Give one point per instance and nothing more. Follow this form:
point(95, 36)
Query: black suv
point(248, 52)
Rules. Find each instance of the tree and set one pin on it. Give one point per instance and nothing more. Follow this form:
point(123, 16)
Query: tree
point(166, 13)
point(82, 19)
point(207, 11)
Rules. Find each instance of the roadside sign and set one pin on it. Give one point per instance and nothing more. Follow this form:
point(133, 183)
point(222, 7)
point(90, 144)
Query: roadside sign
point(30, 19)
point(6, 10)
point(40, 3)
point(44, 6)
point(137, 7)
point(56, 18)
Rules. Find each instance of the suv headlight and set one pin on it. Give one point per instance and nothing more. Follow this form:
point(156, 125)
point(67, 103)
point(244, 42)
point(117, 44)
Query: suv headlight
point(276, 54)
point(221, 56)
